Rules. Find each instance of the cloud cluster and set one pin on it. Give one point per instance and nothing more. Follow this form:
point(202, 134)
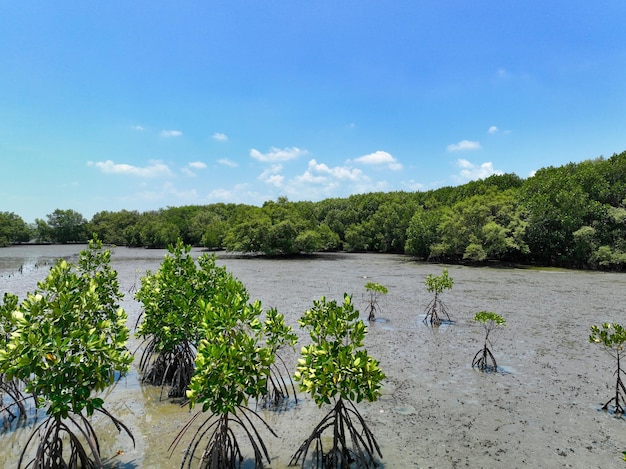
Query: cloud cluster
point(220, 137)
point(277, 154)
point(471, 172)
point(152, 170)
point(380, 158)
point(463, 145)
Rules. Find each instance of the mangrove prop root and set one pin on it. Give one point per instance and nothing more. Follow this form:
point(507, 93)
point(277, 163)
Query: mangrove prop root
point(620, 391)
point(12, 400)
point(354, 445)
point(221, 448)
point(168, 368)
point(69, 443)
point(436, 312)
point(278, 389)
point(484, 360)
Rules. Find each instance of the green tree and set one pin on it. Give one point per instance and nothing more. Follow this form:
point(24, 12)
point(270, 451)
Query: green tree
point(233, 365)
point(111, 227)
point(13, 229)
point(67, 226)
point(422, 232)
point(336, 366)
point(68, 343)
point(171, 325)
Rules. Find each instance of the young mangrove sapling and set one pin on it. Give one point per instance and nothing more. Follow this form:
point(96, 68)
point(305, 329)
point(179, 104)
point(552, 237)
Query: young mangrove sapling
point(436, 309)
point(484, 359)
point(69, 343)
point(233, 365)
point(171, 323)
point(335, 368)
point(374, 290)
point(12, 398)
point(613, 337)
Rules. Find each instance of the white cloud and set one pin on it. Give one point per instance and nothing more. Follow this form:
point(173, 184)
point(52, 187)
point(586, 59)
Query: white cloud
point(470, 171)
point(171, 133)
point(271, 176)
point(464, 145)
point(154, 169)
point(319, 172)
point(493, 129)
point(220, 137)
point(380, 158)
point(227, 162)
point(275, 180)
point(187, 171)
point(138, 128)
point(277, 154)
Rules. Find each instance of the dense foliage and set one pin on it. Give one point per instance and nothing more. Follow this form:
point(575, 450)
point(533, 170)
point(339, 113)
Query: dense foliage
point(236, 352)
point(67, 343)
point(573, 216)
point(336, 367)
point(173, 302)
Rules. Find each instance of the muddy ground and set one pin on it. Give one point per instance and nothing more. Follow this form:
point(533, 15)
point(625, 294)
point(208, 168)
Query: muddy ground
point(541, 410)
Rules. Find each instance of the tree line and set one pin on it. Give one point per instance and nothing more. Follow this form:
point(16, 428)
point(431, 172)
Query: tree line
point(571, 216)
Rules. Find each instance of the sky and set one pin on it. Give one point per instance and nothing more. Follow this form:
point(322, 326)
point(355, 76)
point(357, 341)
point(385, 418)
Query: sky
point(146, 105)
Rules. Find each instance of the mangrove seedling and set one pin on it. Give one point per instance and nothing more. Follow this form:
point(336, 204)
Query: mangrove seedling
point(335, 369)
point(171, 323)
point(12, 398)
point(232, 366)
point(374, 290)
point(613, 337)
point(69, 343)
point(484, 359)
point(436, 309)
point(277, 335)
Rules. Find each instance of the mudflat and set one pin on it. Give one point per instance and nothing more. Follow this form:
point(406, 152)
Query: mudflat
point(541, 409)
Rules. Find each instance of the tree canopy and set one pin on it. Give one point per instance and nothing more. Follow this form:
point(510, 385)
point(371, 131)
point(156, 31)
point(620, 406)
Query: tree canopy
point(572, 216)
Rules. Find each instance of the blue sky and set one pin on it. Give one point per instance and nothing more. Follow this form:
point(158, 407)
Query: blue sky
point(144, 105)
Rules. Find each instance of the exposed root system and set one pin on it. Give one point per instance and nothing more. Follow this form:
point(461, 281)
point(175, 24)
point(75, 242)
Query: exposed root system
point(620, 391)
point(354, 445)
point(218, 444)
point(168, 368)
point(69, 443)
point(436, 312)
point(278, 386)
point(12, 400)
point(484, 360)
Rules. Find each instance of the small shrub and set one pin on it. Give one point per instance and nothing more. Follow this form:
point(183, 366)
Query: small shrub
point(12, 398)
point(436, 309)
point(171, 321)
point(233, 365)
point(374, 290)
point(613, 337)
point(68, 342)
point(484, 359)
point(336, 367)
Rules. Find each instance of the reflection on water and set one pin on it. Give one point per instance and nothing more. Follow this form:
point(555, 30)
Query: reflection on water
point(435, 411)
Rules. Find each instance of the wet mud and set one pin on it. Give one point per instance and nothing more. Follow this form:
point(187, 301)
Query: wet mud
point(541, 409)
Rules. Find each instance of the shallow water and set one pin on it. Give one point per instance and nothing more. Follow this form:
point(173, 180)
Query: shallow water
point(435, 411)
